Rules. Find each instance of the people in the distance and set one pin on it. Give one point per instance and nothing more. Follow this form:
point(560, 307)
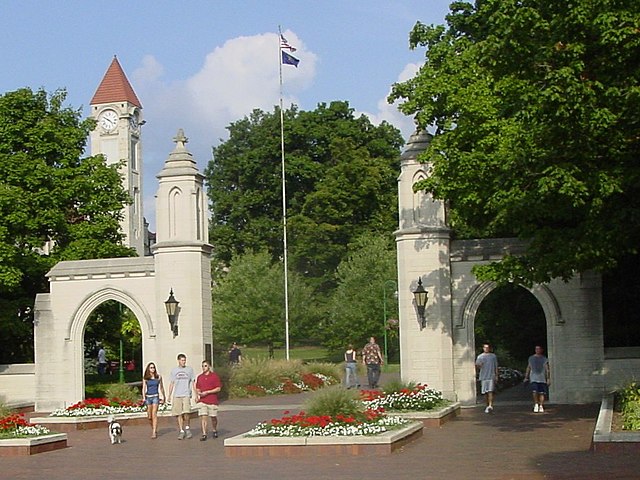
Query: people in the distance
point(208, 385)
point(487, 367)
point(351, 368)
point(152, 395)
point(235, 354)
point(539, 374)
point(102, 361)
point(372, 358)
point(180, 389)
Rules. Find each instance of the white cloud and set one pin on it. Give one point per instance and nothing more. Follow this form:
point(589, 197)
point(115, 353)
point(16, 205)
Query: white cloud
point(235, 78)
point(390, 112)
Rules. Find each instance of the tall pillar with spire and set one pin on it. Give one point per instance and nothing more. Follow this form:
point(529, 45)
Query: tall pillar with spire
point(423, 242)
point(183, 257)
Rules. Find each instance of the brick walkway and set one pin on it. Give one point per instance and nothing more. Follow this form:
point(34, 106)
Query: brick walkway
point(513, 443)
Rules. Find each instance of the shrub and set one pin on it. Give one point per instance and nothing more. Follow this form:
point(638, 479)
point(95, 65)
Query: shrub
point(4, 410)
point(397, 385)
point(121, 392)
point(334, 401)
point(629, 399)
point(254, 372)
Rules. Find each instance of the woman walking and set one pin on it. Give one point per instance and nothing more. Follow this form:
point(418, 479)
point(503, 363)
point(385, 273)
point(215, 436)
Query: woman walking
point(153, 395)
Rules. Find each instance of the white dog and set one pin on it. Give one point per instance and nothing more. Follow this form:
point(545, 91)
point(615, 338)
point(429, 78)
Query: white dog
point(115, 430)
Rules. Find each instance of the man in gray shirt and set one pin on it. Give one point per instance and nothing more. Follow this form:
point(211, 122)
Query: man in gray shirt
point(539, 374)
point(487, 366)
point(180, 389)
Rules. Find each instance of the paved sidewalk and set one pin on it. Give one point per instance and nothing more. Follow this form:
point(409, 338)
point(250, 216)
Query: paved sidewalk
point(512, 443)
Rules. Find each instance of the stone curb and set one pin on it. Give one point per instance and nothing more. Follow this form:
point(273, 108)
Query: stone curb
point(604, 440)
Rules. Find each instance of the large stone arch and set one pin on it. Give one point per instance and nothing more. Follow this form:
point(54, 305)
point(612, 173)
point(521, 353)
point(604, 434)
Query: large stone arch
point(542, 293)
point(104, 294)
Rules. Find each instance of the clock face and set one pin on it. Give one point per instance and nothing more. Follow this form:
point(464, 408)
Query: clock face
point(108, 120)
point(133, 121)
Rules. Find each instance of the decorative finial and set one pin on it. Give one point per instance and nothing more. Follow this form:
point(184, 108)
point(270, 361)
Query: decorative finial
point(180, 139)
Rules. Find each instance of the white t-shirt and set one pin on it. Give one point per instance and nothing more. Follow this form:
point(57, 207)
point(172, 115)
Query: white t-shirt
point(488, 363)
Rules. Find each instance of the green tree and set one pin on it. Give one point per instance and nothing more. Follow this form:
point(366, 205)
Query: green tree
point(248, 303)
point(54, 204)
point(536, 110)
point(355, 310)
point(341, 174)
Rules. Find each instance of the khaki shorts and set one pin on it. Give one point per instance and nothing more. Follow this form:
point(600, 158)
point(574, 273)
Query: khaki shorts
point(180, 405)
point(206, 410)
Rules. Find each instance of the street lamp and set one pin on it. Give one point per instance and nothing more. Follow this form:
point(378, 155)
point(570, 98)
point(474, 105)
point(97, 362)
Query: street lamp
point(172, 307)
point(421, 296)
point(393, 284)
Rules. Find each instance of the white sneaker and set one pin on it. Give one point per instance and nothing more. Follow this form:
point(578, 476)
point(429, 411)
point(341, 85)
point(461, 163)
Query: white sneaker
point(488, 410)
point(541, 409)
point(536, 408)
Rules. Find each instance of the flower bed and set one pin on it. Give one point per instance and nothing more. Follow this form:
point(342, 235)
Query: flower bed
point(20, 437)
point(96, 407)
point(307, 382)
point(15, 425)
point(419, 398)
point(303, 425)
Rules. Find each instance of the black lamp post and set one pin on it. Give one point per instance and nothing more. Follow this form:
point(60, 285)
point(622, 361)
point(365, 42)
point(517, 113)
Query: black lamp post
point(172, 307)
point(421, 296)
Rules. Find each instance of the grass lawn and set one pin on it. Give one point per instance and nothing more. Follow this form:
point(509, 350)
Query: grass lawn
point(309, 354)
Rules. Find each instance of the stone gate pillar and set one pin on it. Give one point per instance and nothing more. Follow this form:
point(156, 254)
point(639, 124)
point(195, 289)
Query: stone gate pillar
point(423, 240)
point(182, 260)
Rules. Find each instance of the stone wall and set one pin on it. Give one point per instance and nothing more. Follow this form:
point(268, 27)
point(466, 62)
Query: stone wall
point(17, 384)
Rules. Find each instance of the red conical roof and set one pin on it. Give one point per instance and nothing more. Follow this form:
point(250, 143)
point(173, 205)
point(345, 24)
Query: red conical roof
point(115, 87)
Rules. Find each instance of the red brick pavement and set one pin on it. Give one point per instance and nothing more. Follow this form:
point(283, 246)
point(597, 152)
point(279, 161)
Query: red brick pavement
point(512, 443)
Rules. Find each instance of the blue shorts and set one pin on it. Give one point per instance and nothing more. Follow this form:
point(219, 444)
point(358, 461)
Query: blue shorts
point(152, 400)
point(540, 388)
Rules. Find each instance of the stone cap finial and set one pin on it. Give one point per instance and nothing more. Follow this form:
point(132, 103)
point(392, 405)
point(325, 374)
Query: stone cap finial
point(180, 139)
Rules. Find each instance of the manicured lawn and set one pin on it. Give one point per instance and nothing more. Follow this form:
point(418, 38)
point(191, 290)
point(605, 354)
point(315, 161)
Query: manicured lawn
point(309, 354)
point(318, 354)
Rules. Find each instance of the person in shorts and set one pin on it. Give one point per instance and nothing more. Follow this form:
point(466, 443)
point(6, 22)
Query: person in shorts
point(539, 374)
point(487, 367)
point(208, 385)
point(180, 389)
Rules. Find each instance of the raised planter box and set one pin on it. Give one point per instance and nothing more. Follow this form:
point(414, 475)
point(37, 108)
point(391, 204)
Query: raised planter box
point(13, 447)
point(606, 441)
point(435, 418)
point(382, 444)
point(72, 424)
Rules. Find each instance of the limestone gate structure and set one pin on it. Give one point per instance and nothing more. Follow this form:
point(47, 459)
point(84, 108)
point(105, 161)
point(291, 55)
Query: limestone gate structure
point(180, 263)
point(443, 353)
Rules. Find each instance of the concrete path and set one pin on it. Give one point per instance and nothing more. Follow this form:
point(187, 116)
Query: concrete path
point(512, 443)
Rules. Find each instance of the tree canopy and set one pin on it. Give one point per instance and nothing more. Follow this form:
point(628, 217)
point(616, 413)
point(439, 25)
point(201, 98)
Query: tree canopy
point(54, 204)
point(341, 175)
point(367, 279)
point(248, 303)
point(536, 110)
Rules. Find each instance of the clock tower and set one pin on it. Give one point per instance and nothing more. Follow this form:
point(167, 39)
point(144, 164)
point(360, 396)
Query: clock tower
point(118, 112)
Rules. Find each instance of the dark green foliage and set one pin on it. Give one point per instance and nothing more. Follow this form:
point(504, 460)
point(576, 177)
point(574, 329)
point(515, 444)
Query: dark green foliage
point(248, 303)
point(355, 310)
point(48, 193)
point(536, 110)
point(340, 182)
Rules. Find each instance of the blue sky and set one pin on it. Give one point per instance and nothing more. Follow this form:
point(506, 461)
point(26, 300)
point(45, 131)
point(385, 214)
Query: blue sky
point(200, 65)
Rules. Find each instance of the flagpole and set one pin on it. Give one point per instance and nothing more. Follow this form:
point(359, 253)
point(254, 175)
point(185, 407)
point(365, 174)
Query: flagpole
point(284, 204)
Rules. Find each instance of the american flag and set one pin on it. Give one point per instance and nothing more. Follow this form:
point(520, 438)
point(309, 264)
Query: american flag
point(284, 44)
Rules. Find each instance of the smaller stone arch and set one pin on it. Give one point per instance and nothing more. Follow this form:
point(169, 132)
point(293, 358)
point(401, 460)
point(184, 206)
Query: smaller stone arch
point(542, 293)
point(93, 300)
